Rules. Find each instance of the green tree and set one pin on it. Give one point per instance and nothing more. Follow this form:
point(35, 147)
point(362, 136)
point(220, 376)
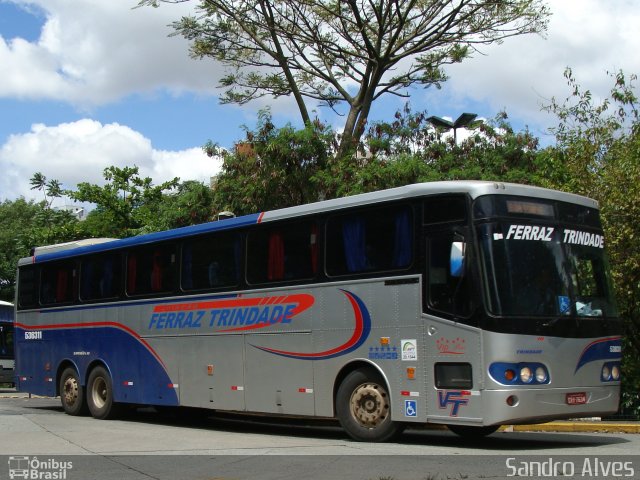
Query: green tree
point(24, 225)
point(598, 155)
point(274, 168)
point(125, 204)
point(346, 52)
point(408, 150)
point(51, 189)
point(280, 167)
point(192, 203)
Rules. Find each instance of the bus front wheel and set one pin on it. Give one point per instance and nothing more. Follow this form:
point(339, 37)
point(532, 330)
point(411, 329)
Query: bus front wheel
point(100, 394)
point(72, 393)
point(473, 432)
point(363, 407)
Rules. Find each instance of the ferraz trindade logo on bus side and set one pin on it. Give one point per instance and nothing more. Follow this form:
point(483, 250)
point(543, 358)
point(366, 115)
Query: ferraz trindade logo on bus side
point(247, 314)
point(230, 314)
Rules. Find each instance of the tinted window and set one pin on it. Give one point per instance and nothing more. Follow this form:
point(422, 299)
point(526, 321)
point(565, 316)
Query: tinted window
point(57, 282)
point(283, 253)
point(151, 270)
point(27, 293)
point(442, 209)
point(212, 261)
point(6, 340)
point(376, 240)
point(100, 277)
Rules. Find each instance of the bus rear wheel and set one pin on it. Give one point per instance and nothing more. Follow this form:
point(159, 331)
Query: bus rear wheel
point(473, 432)
point(100, 395)
point(363, 407)
point(72, 393)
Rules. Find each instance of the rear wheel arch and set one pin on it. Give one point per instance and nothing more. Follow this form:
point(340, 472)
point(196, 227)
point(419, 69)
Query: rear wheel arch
point(363, 403)
point(352, 367)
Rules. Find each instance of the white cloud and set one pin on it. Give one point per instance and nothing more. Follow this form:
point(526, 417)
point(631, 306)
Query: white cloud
point(523, 73)
point(91, 52)
point(80, 151)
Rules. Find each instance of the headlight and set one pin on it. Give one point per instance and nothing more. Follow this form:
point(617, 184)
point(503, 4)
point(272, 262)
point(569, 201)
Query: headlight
point(615, 372)
point(606, 373)
point(525, 375)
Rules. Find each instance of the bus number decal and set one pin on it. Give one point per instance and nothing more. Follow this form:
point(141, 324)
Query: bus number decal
point(34, 335)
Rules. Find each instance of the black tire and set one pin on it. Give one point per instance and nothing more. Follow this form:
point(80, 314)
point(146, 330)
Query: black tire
point(473, 432)
point(100, 395)
point(363, 407)
point(72, 393)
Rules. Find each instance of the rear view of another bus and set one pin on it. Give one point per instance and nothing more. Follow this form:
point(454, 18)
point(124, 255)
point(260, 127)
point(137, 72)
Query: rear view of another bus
point(6, 344)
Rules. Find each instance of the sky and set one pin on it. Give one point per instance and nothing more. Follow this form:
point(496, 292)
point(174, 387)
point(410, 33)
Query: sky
point(85, 84)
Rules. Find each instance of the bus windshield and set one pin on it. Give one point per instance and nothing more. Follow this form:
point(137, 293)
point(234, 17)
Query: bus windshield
point(544, 269)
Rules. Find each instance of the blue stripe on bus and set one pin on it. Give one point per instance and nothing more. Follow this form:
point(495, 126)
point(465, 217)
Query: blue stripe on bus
point(603, 349)
point(137, 372)
point(134, 303)
point(178, 233)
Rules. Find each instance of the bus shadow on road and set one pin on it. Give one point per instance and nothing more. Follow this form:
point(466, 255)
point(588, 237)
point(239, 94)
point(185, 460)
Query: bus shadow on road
point(511, 441)
point(330, 429)
point(241, 423)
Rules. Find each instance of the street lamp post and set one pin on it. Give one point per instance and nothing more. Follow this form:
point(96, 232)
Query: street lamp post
point(463, 120)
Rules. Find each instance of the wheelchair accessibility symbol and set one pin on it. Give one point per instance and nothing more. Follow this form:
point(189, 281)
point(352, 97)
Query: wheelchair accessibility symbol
point(410, 408)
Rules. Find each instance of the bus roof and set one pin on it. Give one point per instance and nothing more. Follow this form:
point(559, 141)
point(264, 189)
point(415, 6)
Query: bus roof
point(473, 188)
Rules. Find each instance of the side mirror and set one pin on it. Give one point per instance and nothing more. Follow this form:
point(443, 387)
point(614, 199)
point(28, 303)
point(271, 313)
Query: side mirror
point(456, 259)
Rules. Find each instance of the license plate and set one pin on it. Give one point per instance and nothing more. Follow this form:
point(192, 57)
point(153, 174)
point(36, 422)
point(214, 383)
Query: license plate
point(579, 398)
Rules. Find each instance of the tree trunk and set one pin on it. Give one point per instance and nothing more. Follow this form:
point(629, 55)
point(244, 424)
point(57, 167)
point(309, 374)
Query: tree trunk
point(348, 140)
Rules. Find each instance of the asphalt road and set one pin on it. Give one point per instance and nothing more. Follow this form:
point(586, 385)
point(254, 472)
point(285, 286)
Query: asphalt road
point(149, 445)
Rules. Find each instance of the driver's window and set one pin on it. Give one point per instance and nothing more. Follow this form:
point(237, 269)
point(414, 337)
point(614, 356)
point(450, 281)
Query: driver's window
point(448, 291)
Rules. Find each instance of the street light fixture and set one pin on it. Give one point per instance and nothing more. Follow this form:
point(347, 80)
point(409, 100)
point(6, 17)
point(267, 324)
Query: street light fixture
point(463, 120)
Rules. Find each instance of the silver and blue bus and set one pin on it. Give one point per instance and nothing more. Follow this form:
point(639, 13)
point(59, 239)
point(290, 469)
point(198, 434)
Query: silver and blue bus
point(468, 304)
point(6, 343)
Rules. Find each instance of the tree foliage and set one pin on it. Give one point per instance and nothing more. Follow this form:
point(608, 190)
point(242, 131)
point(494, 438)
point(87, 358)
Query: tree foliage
point(346, 52)
point(126, 203)
point(282, 167)
point(191, 204)
point(273, 168)
point(24, 225)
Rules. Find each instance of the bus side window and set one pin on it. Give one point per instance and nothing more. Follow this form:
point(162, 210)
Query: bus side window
point(211, 261)
point(100, 277)
point(370, 241)
point(282, 253)
point(151, 270)
point(57, 283)
point(27, 289)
